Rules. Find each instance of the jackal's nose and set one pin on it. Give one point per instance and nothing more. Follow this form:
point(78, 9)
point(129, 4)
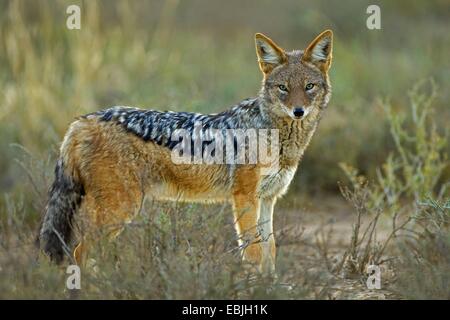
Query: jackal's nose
point(299, 112)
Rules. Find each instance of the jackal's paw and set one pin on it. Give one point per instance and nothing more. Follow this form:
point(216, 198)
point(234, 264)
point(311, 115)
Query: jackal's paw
point(257, 272)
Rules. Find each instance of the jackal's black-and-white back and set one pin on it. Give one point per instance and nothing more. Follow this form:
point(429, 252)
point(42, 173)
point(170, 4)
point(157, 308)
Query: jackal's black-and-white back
point(159, 126)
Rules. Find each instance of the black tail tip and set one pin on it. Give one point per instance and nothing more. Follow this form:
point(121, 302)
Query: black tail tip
point(51, 247)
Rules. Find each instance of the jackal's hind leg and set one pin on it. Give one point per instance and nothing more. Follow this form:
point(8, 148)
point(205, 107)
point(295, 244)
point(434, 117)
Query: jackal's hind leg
point(106, 211)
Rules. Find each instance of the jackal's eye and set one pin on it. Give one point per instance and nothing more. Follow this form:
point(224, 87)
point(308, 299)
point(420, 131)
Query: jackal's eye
point(309, 86)
point(283, 88)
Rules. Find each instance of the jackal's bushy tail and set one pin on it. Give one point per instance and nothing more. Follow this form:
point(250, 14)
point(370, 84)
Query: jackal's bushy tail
point(64, 199)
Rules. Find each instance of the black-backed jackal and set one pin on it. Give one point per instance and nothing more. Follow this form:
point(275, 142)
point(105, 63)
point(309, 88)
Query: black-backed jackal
point(110, 160)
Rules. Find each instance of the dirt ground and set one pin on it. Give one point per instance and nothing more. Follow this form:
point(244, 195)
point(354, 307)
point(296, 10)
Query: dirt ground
point(323, 227)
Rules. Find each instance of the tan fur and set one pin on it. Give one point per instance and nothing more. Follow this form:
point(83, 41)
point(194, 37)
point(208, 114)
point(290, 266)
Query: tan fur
point(118, 169)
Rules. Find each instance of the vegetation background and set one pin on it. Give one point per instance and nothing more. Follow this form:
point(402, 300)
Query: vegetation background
point(199, 56)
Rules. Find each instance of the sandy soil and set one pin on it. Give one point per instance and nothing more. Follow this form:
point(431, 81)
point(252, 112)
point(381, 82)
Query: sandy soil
point(323, 227)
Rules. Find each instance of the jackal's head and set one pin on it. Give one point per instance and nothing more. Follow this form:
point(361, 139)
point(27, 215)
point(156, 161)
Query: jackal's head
point(296, 82)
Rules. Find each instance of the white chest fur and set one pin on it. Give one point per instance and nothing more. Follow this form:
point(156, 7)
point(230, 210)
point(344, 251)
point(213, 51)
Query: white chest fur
point(276, 184)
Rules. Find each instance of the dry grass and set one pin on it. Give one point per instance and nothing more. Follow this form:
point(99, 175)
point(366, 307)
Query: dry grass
point(170, 54)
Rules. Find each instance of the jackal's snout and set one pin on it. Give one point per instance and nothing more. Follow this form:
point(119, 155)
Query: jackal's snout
point(299, 112)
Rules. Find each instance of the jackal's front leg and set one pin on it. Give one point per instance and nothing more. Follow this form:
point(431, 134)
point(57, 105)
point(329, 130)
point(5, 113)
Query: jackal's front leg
point(246, 214)
point(265, 227)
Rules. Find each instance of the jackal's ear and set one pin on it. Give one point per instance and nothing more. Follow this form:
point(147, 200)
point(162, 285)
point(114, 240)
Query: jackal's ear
point(320, 51)
point(269, 54)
